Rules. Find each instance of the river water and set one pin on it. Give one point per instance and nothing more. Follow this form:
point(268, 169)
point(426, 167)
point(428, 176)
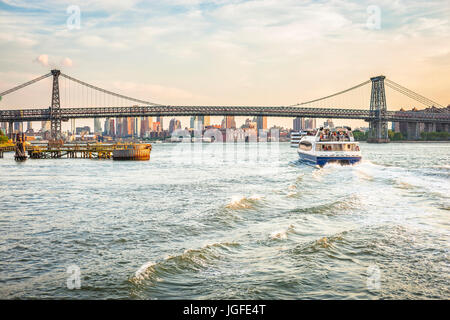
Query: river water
point(228, 221)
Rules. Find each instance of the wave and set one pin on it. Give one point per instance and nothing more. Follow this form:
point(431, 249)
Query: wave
point(242, 202)
point(325, 242)
point(336, 207)
point(282, 234)
point(190, 260)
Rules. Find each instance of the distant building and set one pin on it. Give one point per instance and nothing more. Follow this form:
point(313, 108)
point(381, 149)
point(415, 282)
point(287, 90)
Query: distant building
point(310, 124)
point(146, 126)
point(261, 122)
point(174, 125)
point(157, 127)
point(299, 124)
point(249, 124)
point(228, 122)
point(3, 126)
point(304, 124)
point(110, 127)
point(160, 120)
point(97, 126)
point(137, 127)
point(83, 130)
point(18, 127)
point(206, 121)
point(199, 122)
point(328, 123)
point(46, 126)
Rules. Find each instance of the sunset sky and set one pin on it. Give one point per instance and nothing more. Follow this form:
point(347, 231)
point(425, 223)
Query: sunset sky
point(265, 52)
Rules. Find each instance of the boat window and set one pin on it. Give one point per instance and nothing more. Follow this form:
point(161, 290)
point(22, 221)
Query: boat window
point(336, 147)
point(305, 145)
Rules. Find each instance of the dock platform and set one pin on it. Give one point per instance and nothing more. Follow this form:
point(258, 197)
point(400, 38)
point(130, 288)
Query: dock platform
point(85, 151)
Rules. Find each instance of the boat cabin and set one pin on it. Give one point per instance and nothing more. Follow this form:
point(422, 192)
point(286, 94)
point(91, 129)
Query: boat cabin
point(338, 134)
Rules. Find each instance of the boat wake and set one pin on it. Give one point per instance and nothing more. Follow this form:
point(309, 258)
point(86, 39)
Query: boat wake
point(191, 260)
point(241, 202)
point(282, 234)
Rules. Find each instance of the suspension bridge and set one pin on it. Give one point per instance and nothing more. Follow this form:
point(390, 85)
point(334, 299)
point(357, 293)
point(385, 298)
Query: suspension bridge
point(96, 102)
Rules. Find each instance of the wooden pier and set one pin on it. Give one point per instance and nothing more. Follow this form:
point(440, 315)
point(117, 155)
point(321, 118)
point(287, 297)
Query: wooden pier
point(82, 151)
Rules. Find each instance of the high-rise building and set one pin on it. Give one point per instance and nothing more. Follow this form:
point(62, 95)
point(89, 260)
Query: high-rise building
point(160, 120)
point(29, 126)
point(249, 124)
point(119, 127)
point(206, 121)
point(299, 124)
point(174, 125)
point(328, 123)
point(304, 124)
point(97, 126)
point(146, 126)
point(199, 122)
point(228, 122)
point(110, 129)
point(46, 126)
point(261, 122)
point(137, 127)
point(83, 130)
point(18, 127)
point(310, 123)
point(130, 126)
point(72, 126)
point(157, 126)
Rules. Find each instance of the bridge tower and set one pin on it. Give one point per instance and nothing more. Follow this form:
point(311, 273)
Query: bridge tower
point(55, 109)
point(378, 128)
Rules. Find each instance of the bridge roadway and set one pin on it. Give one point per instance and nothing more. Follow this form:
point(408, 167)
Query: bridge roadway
point(269, 111)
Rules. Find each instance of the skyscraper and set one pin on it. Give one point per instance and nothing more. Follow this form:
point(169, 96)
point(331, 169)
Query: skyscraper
point(261, 123)
point(199, 122)
point(228, 122)
point(299, 124)
point(18, 127)
point(97, 126)
point(328, 123)
point(304, 124)
point(46, 126)
point(174, 125)
point(137, 127)
point(160, 120)
point(146, 126)
point(206, 121)
point(109, 127)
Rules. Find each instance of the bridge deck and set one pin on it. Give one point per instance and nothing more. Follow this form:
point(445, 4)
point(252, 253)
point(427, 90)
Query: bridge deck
point(269, 111)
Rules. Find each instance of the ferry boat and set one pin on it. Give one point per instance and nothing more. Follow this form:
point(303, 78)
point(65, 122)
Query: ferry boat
point(325, 145)
point(296, 137)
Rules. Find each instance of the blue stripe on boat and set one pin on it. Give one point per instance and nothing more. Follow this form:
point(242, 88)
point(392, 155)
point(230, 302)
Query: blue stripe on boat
point(321, 161)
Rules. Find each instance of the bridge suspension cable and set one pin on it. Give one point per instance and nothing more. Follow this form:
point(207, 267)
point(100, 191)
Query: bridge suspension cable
point(332, 95)
point(108, 92)
point(411, 94)
point(23, 85)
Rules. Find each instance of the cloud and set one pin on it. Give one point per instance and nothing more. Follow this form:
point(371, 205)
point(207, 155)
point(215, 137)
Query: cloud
point(42, 60)
point(67, 62)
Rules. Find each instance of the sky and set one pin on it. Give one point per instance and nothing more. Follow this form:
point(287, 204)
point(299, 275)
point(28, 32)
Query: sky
point(236, 52)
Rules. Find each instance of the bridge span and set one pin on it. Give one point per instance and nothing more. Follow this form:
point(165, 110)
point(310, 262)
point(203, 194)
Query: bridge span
point(268, 111)
point(377, 116)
